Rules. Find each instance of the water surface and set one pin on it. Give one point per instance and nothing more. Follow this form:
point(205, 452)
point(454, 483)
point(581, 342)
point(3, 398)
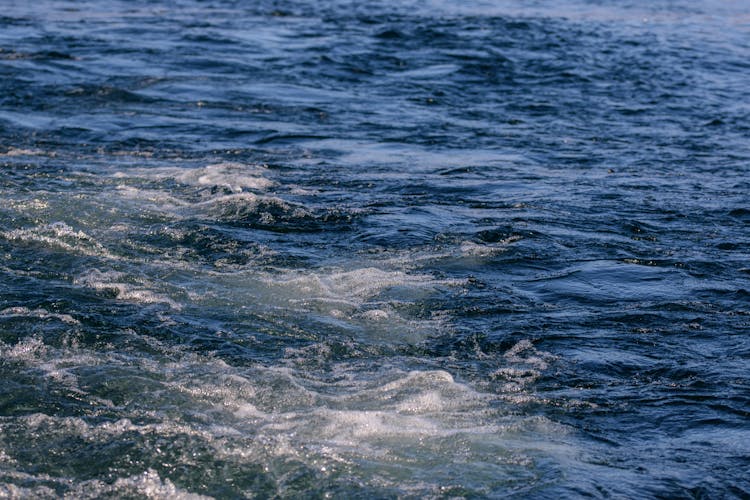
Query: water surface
point(383, 250)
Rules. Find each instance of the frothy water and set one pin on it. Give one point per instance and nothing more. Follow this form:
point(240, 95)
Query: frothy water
point(394, 250)
point(284, 428)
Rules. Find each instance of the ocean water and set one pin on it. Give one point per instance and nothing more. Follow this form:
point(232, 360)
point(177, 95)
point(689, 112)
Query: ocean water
point(386, 249)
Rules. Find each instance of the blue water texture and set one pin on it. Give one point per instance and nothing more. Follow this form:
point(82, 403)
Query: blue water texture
point(384, 249)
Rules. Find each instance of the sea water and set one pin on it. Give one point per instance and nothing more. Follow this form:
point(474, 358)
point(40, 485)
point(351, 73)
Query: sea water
point(289, 248)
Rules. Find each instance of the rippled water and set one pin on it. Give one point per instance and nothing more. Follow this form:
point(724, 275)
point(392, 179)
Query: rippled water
point(386, 249)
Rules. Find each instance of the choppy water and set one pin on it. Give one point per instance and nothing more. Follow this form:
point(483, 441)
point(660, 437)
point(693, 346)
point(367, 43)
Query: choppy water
point(385, 249)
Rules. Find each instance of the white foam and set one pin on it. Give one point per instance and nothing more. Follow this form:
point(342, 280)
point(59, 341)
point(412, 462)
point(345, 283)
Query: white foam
point(354, 428)
point(56, 365)
point(525, 352)
point(369, 302)
point(420, 421)
point(148, 485)
point(13, 492)
point(152, 199)
point(237, 196)
point(60, 235)
point(232, 176)
point(25, 312)
point(375, 315)
point(235, 177)
point(236, 205)
point(27, 205)
point(25, 350)
point(34, 352)
point(352, 287)
point(487, 249)
point(113, 282)
point(11, 152)
point(525, 364)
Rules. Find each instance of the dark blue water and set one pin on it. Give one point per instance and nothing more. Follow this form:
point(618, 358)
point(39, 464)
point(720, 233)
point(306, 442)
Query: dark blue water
point(376, 250)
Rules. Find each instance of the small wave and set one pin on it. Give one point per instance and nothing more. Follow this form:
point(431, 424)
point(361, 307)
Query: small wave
point(370, 293)
point(473, 249)
point(55, 367)
point(223, 177)
point(413, 426)
point(27, 349)
point(62, 236)
point(151, 199)
point(526, 365)
point(12, 152)
point(228, 192)
point(148, 485)
point(115, 283)
point(234, 177)
point(378, 304)
point(351, 287)
point(272, 214)
point(25, 312)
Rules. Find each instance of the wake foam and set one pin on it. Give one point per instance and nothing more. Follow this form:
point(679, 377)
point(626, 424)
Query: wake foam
point(379, 425)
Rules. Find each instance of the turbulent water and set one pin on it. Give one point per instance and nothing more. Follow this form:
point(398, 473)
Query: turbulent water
point(290, 248)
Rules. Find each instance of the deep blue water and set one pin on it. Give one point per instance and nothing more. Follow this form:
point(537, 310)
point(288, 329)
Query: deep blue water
point(376, 250)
